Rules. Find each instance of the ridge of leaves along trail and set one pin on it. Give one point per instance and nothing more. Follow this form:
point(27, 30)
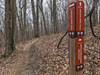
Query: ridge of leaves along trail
point(41, 57)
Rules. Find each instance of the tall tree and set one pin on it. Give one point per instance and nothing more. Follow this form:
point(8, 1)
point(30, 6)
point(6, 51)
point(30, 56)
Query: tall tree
point(24, 11)
point(42, 12)
point(35, 13)
point(37, 18)
point(10, 22)
point(55, 16)
point(20, 20)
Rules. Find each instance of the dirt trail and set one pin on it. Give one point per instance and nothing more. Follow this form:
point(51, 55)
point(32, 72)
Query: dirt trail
point(24, 56)
point(16, 66)
point(41, 57)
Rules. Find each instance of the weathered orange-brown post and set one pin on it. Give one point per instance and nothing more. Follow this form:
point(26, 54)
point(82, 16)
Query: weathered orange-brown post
point(76, 36)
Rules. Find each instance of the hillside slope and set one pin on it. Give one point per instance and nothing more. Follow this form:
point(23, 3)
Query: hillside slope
point(41, 57)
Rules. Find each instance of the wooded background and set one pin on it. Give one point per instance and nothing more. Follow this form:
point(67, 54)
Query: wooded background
point(22, 20)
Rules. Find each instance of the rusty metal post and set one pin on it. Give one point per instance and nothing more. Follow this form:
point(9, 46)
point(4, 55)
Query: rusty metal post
point(72, 67)
point(76, 39)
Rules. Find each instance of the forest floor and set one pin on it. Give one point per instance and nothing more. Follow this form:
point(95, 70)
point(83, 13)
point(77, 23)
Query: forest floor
point(41, 57)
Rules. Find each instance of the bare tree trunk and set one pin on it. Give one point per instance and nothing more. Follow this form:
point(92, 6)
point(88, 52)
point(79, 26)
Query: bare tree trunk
point(50, 5)
point(98, 14)
point(94, 18)
point(41, 9)
point(55, 16)
point(10, 22)
point(35, 18)
point(24, 11)
point(20, 19)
